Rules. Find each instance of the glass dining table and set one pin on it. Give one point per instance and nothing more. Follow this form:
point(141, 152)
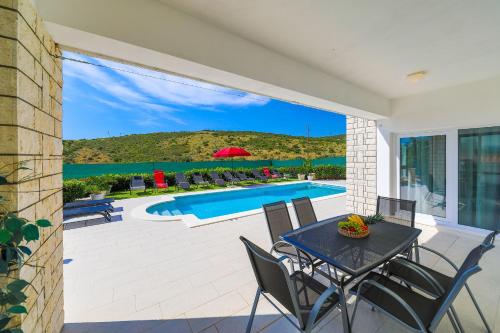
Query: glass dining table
point(353, 257)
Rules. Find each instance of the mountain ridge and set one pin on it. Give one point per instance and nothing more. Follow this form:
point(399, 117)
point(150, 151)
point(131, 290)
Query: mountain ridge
point(198, 146)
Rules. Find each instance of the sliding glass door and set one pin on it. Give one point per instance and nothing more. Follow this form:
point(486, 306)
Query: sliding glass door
point(423, 173)
point(479, 177)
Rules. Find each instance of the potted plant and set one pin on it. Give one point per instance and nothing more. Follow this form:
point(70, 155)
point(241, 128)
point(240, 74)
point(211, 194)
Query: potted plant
point(311, 176)
point(301, 176)
point(97, 192)
point(15, 236)
point(308, 169)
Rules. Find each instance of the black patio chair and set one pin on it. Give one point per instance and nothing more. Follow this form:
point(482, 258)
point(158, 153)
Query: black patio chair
point(412, 309)
point(181, 181)
point(307, 299)
point(278, 222)
point(216, 178)
point(398, 211)
point(243, 176)
point(230, 178)
point(259, 176)
point(304, 211)
point(410, 273)
point(137, 183)
point(198, 179)
point(306, 215)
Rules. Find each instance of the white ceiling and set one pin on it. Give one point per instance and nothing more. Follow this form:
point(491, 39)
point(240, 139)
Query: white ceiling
point(374, 44)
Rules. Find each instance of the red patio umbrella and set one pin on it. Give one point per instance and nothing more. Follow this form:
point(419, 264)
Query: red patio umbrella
point(231, 152)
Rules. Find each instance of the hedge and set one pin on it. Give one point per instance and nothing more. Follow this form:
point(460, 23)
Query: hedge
point(75, 189)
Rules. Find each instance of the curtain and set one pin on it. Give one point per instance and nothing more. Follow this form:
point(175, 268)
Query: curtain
point(479, 177)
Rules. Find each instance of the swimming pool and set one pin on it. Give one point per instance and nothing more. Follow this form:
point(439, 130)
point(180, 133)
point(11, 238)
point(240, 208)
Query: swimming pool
point(209, 205)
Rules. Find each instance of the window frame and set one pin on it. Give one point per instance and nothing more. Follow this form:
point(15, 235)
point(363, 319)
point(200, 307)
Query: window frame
point(451, 174)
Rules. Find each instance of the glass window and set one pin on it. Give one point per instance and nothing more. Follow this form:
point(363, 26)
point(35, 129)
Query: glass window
point(423, 173)
point(479, 177)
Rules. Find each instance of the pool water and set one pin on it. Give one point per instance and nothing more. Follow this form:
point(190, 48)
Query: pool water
point(207, 205)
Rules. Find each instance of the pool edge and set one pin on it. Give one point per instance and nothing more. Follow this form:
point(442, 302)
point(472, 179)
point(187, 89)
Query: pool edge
point(191, 221)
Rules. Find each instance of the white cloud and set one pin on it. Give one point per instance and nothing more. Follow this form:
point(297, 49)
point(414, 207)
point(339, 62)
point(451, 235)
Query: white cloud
point(99, 79)
point(153, 93)
point(112, 104)
point(179, 90)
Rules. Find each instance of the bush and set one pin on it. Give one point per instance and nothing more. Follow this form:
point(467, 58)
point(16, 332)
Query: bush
point(321, 171)
point(329, 172)
point(75, 189)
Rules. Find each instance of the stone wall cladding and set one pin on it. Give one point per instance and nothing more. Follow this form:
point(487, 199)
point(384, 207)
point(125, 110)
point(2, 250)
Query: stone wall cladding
point(361, 165)
point(30, 132)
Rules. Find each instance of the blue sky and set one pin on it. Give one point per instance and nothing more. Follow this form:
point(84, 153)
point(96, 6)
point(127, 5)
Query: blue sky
point(100, 101)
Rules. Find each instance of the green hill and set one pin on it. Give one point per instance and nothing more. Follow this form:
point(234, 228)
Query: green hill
point(198, 146)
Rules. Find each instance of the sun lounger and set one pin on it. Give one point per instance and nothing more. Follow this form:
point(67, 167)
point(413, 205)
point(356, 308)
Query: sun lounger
point(198, 179)
point(259, 176)
point(181, 181)
point(276, 173)
point(268, 173)
point(216, 179)
point(104, 210)
point(230, 178)
point(243, 176)
point(86, 203)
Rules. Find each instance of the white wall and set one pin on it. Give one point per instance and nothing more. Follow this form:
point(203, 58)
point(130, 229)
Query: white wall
point(150, 33)
point(475, 104)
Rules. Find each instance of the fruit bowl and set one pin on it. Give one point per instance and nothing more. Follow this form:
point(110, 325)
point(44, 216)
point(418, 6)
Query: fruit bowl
point(354, 227)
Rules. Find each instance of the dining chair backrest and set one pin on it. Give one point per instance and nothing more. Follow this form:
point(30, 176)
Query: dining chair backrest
point(397, 211)
point(489, 241)
point(304, 211)
point(278, 219)
point(469, 267)
point(272, 276)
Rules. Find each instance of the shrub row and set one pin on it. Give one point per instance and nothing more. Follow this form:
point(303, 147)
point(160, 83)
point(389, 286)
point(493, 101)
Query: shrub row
point(79, 188)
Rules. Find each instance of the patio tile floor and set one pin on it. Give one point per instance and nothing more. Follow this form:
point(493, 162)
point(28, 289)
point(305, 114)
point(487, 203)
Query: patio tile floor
point(136, 276)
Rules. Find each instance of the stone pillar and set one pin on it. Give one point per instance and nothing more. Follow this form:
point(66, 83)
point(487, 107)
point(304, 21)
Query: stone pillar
point(361, 165)
point(30, 132)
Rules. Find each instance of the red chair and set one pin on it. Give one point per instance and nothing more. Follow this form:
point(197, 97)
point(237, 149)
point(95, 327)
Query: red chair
point(267, 173)
point(159, 178)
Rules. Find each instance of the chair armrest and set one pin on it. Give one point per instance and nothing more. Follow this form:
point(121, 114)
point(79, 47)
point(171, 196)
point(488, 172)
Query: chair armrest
point(299, 252)
point(396, 297)
point(318, 304)
point(442, 256)
point(438, 288)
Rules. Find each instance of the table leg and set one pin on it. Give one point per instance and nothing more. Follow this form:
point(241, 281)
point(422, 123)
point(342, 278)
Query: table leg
point(343, 308)
point(343, 304)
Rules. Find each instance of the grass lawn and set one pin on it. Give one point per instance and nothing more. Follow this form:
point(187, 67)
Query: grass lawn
point(173, 190)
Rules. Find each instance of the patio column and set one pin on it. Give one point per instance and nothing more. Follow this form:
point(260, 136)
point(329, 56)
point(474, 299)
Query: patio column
point(361, 165)
point(30, 132)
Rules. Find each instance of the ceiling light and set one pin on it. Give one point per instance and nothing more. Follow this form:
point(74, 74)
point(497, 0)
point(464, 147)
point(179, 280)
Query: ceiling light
point(417, 76)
